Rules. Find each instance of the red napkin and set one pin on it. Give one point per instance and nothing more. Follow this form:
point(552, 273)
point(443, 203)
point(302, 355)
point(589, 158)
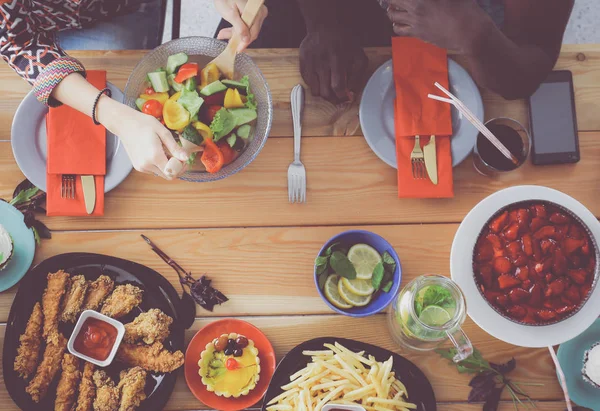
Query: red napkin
point(417, 66)
point(75, 146)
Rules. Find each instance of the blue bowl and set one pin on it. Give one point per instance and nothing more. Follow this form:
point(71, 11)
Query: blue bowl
point(382, 299)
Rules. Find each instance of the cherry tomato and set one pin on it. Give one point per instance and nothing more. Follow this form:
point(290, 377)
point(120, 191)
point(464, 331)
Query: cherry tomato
point(149, 90)
point(153, 108)
point(231, 364)
point(229, 154)
point(215, 99)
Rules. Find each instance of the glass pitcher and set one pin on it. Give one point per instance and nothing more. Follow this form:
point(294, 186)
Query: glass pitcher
point(427, 312)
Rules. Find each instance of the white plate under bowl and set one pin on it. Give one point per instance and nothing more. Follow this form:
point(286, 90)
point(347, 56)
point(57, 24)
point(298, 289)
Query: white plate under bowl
point(377, 113)
point(461, 269)
point(28, 141)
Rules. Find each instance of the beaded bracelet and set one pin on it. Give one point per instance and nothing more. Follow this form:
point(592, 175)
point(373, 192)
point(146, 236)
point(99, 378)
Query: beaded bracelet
point(104, 91)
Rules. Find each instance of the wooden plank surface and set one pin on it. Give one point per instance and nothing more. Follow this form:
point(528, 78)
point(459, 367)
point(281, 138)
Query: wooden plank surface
point(280, 68)
point(347, 184)
point(286, 332)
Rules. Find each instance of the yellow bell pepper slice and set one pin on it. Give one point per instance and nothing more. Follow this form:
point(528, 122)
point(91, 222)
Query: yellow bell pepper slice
point(161, 97)
point(176, 117)
point(233, 99)
point(204, 130)
point(209, 74)
point(175, 96)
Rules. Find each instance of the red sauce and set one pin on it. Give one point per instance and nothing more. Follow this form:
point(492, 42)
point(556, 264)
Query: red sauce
point(95, 339)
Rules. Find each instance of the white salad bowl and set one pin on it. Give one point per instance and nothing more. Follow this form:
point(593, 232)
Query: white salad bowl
point(478, 308)
point(203, 50)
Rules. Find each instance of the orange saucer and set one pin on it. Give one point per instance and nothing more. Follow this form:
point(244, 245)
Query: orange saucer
point(208, 334)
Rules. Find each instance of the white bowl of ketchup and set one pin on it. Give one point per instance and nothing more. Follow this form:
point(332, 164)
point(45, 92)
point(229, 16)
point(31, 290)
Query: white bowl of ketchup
point(96, 338)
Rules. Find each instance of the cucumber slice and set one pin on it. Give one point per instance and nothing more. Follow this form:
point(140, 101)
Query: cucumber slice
point(190, 84)
point(244, 131)
point(213, 88)
point(176, 60)
point(140, 103)
point(243, 115)
point(231, 139)
point(236, 84)
point(174, 85)
point(159, 82)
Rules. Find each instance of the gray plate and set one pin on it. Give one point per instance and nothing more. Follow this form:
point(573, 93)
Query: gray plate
point(377, 113)
point(28, 140)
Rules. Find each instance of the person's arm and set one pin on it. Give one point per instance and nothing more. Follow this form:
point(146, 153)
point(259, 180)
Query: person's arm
point(331, 62)
point(512, 62)
point(58, 78)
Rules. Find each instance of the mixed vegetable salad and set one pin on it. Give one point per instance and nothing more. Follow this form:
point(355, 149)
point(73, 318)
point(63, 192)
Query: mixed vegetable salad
point(201, 107)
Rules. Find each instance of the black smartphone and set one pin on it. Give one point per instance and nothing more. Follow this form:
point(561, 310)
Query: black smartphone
point(553, 121)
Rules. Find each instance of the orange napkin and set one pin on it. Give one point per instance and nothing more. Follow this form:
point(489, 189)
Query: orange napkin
point(75, 146)
point(417, 66)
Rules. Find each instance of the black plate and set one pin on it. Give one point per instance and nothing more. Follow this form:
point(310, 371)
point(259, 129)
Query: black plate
point(418, 386)
point(158, 293)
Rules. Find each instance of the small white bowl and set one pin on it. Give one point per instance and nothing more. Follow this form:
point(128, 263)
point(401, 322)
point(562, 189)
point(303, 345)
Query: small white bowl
point(344, 407)
point(94, 314)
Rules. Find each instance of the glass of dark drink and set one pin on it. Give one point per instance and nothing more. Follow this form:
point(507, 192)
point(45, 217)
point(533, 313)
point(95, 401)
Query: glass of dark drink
point(488, 160)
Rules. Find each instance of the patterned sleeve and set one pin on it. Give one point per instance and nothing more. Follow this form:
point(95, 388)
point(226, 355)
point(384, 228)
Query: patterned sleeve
point(33, 53)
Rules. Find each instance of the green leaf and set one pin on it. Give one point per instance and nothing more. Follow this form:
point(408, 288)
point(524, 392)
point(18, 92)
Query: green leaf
point(388, 286)
point(388, 262)
point(438, 295)
point(321, 269)
point(377, 276)
point(322, 279)
point(321, 260)
point(418, 307)
point(36, 236)
point(24, 196)
point(191, 159)
point(336, 247)
point(342, 265)
point(473, 364)
point(251, 101)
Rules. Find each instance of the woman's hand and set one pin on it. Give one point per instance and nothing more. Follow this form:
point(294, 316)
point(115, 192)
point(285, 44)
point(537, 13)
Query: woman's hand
point(145, 139)
point(332, 64)
point(231, 10)
point(451, 24)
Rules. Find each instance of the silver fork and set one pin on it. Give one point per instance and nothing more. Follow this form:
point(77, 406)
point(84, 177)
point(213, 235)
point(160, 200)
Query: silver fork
point(417, 160)
point(296, 171)
point(67, 186)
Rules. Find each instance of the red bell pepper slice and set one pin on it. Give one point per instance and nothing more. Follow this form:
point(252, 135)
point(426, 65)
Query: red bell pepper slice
point(186, 71)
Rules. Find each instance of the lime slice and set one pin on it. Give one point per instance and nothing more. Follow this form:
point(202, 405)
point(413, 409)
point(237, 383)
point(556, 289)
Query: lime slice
point(351, 298)
point(364, 258)
point(332, 294)
point(359, 287)
point(434, 316)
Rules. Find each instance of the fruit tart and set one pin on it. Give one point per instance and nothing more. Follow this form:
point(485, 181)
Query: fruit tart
point(229, 366)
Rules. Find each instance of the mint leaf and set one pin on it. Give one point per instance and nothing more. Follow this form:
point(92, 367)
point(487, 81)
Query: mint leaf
point(377, 276)
point(437, 295)
point(388, 262)
point(321, 260)
point(342, 265)
point(336, 247)
point(322, 279)
point(418, 307)
point(387, 287)
point(24, 196)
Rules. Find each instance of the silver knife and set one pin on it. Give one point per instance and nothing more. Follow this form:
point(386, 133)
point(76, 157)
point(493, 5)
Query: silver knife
point(431, 160)
point(89, 193)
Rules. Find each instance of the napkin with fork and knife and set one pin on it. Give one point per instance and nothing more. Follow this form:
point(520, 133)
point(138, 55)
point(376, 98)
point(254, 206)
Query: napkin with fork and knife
point(76, 147)
point(417, 66)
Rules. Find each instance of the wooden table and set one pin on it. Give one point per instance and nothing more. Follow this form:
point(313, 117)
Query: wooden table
point(260, 250)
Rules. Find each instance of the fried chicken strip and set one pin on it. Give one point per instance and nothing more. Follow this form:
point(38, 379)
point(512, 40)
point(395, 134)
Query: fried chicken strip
point(132, 385)
point(149, 327)
point(122, 300)
point(73, 300)
point(57, 285)
point(87, 389)
point(46, 371)
point(153, 358)
point(66, 391)
point(107, 394)
point(28, 353)
point(97, 292)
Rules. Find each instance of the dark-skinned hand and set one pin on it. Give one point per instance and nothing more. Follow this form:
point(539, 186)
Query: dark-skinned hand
point(450, 24)
point(332, 64)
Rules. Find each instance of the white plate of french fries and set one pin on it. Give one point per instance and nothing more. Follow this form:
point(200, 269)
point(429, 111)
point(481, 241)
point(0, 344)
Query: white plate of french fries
point(339, 372)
